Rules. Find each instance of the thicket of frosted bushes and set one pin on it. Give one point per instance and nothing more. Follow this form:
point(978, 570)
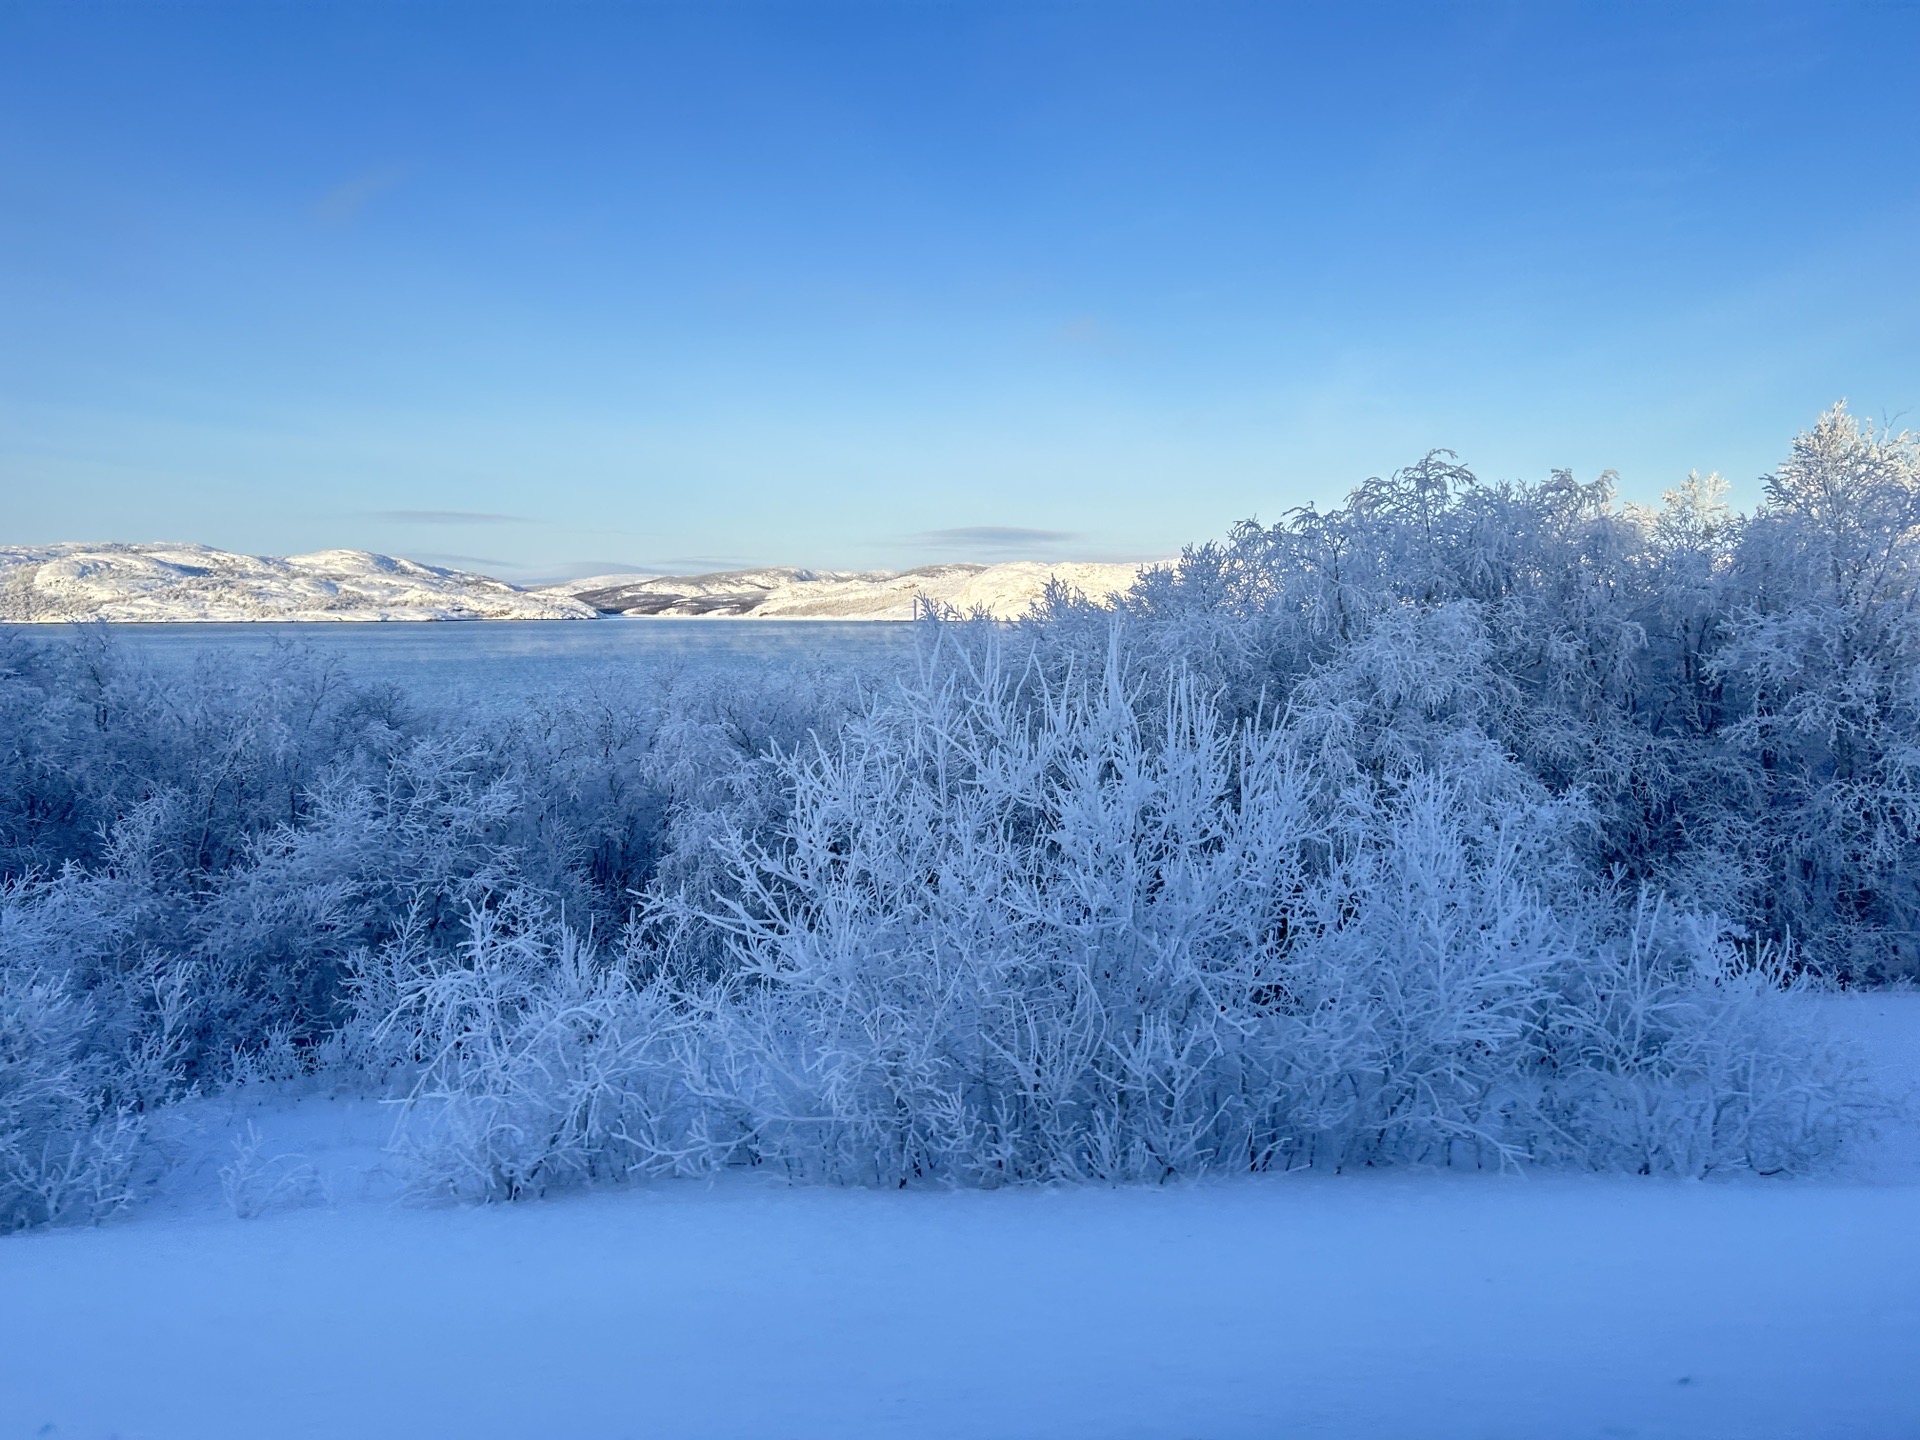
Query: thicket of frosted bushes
point(1466, 824)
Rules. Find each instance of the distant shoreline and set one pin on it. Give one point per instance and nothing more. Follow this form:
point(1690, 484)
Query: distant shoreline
point(184, 583)
point(381, 620)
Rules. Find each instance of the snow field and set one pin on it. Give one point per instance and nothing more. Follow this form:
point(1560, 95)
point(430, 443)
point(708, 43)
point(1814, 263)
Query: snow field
point(1380, 1304)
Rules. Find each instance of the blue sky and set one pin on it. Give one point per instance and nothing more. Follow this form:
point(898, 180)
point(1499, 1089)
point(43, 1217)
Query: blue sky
point(549, 288)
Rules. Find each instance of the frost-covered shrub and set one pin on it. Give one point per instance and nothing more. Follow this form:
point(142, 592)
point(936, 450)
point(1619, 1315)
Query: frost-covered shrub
point(254, 1183)
point(1016, 932)
point(84, 1049)
point(1014, 944)
point(1734, 696)
point(1825, 657)
point(200, 854)
point(540, 1064)
point(65, 1154)
point(1673, 1050)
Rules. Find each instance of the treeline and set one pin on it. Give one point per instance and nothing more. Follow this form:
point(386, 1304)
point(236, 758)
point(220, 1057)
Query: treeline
point(1468, 823)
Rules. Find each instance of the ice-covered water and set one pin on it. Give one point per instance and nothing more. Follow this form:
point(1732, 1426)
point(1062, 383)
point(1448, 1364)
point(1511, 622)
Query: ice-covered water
point(526, 655)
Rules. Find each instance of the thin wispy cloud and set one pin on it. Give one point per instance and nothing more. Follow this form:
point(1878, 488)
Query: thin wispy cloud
point(451, 517)
point(350, 197)
point(703, 564)
point(484, 563)
point(563, 571)
point(1088, 332)
point(997, 539)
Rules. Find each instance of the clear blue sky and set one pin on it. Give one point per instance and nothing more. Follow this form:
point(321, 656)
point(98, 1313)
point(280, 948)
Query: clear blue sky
point(555, 287)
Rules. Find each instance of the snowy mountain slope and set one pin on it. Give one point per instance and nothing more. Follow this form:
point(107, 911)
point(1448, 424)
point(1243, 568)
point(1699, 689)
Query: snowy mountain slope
point(50, 583)
point(162, 582)
point(1004, 591)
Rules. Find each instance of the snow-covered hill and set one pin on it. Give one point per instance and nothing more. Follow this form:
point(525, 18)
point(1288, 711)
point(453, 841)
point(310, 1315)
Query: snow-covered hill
point(46, 583)
point(1003, 591)
point(51, 583)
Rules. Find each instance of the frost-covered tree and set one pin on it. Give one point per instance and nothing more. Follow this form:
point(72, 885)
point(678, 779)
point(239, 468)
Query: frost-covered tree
point(1825, 654)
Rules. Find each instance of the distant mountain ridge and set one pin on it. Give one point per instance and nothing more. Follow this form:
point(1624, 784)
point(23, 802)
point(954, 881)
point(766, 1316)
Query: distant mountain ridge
point(162, 582)
point(126, 583)
point(1004, 591)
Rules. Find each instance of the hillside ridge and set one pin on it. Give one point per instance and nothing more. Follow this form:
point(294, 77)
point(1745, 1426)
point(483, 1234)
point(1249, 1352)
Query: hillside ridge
point(171, 582)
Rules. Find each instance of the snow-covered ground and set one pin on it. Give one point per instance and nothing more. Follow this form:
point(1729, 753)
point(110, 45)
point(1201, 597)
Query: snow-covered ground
point(48, 583)
point(1004, 591)
point(1370, 1305)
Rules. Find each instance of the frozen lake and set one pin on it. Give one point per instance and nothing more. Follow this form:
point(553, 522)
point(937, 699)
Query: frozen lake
point(525, 655)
